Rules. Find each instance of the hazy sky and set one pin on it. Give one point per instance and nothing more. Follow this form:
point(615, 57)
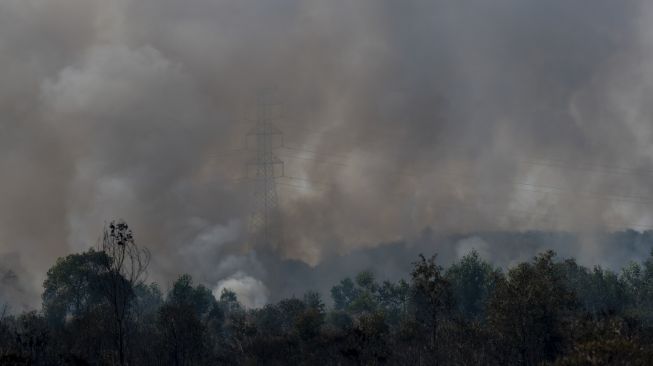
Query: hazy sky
point(398, 115)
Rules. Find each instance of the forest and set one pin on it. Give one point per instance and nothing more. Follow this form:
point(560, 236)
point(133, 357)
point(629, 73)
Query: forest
point(99, 309)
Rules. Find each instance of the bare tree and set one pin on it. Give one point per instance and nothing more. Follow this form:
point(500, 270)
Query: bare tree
point(126, 270)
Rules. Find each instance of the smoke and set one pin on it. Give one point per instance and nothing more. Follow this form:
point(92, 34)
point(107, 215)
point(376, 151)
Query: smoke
point(16, 293)
point(460, 116)
point(251, 292)
point(474, 243)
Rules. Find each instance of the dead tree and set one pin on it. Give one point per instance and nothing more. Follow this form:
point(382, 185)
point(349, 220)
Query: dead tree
point(126, 270)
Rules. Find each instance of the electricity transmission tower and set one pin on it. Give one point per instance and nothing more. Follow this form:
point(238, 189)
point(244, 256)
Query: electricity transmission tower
point(264, 225)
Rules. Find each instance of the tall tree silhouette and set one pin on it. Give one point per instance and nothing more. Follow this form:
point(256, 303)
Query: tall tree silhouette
point(125, 270)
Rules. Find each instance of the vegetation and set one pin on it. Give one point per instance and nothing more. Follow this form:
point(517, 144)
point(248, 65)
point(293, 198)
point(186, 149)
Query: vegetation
point(98, 310)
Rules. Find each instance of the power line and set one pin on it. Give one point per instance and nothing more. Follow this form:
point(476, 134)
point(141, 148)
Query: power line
point(302, 187)
point(630, 199)
point(525, 186)
point(305, 180)
point(604, 169)
point(555, 163)
point(538, 189)
point(479, 206)
point(323, 161)
point(641, 200)
point(313, 151)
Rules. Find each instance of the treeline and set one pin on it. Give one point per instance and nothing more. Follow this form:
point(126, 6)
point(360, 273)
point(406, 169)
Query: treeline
point(98, 310)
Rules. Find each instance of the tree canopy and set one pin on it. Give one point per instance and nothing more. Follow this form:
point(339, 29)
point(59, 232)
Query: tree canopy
point(99, 311)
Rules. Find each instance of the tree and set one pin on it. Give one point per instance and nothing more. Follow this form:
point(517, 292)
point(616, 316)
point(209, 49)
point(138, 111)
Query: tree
point(125, 270)
point(615, 352)
point(144, 339)
point(472, 281)
point(199, 299)
point(367, 342)
point(393, 299)
point(529, 311)
point(73, 286)
point(344, 294)
point(357, 297)
point(432, 302)
point(600, 292)
point(309, 321)
point(183, 320)
point(638, 287)
point(182, 335)
point(539, 312)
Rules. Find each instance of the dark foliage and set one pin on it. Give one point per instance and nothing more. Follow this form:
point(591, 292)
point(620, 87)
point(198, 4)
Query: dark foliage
point(97, 310)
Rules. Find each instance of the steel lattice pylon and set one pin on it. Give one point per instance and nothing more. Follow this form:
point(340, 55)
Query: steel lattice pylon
point(264, 223)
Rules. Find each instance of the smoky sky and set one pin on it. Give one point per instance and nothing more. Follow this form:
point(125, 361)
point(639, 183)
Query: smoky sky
point(461, 116)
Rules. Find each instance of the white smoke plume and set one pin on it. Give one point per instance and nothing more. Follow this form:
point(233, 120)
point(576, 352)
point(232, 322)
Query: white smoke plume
point(251, 292)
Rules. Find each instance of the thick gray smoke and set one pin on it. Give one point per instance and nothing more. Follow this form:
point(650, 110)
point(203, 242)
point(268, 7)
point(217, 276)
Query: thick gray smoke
point(462, 116)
